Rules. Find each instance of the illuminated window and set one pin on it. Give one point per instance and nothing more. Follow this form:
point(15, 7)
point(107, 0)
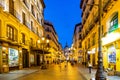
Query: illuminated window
point(114, 23)
point(11, 33)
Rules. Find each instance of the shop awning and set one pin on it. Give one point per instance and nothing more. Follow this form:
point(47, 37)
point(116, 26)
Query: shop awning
point(40, 50)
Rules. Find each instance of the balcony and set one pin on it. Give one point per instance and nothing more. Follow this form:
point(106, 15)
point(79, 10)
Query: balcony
point(91, 5)
point(108, 4)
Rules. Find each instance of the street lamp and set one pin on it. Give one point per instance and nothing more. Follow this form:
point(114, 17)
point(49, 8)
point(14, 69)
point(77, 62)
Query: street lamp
point(100, 72)
point(44, 44)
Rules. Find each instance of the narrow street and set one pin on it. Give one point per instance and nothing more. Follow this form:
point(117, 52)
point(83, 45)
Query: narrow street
point(54, 72)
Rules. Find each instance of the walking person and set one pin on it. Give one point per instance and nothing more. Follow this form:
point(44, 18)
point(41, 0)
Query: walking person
point(90, 67)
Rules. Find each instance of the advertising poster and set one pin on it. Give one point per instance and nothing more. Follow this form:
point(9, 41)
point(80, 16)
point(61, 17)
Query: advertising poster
point(13, 57)
point(111, 55)
point(32, 58)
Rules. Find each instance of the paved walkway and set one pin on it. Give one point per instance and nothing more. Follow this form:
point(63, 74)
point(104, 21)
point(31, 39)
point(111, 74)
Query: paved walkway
point(18, 73)
point(85, 72)
point(54, 72)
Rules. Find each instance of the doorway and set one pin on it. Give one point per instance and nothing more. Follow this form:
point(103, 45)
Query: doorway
point(38, 60)
point(25, 58)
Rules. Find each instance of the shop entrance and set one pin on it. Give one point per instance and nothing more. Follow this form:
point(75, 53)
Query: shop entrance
point(13, 59)
point(38, 60)
point(112, 57)
point(25, 58)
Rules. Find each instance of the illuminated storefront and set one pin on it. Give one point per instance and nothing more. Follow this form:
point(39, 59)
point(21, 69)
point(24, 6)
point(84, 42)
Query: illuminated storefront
point(32, 59)
point(13, 58)
point(111, 50)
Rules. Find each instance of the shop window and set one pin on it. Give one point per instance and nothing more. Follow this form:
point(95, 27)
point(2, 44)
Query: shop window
point(114, 23)
point(111, 54)
point(13, 57)
point(12, 33)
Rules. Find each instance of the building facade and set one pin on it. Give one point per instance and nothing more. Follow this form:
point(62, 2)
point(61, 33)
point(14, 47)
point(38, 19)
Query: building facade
point(77, 42)
point(110, 33)
point(21, 26)
point(55, 47)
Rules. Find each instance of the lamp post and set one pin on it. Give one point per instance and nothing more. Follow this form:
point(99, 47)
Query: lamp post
point(100, 72)
point(44, 43)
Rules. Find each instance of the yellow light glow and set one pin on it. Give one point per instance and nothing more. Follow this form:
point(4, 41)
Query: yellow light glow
point(43, 38)
point(47, 41)
point(110, 38)
point(4, 48)
point(38, 41)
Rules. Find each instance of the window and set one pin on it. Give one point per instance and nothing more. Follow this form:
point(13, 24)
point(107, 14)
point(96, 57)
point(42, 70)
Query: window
point(32, 25)
point(47, 29)
point(80, 45)
point(80, 37)
point(80, 29)
point(25, 2)
point(89, 43)
point(37, 31)
point(32, 10)
point(11, 7)
point(31, 41)
point(93, 41)
point(0, 28)
point(48, 36)
point(12, 33)
point(23, 38)
point(114, 23)
point(37, 17)
point(23, 18)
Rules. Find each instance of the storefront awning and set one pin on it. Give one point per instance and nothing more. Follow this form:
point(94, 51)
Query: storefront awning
point(40, 50)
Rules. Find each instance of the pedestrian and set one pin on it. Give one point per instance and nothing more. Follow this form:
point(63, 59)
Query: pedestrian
point(90, 67)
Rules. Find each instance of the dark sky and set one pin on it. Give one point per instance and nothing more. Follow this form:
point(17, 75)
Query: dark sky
point(64, 15)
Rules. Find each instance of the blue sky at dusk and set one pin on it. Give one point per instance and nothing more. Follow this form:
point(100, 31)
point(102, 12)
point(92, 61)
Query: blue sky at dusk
point(63, 14)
